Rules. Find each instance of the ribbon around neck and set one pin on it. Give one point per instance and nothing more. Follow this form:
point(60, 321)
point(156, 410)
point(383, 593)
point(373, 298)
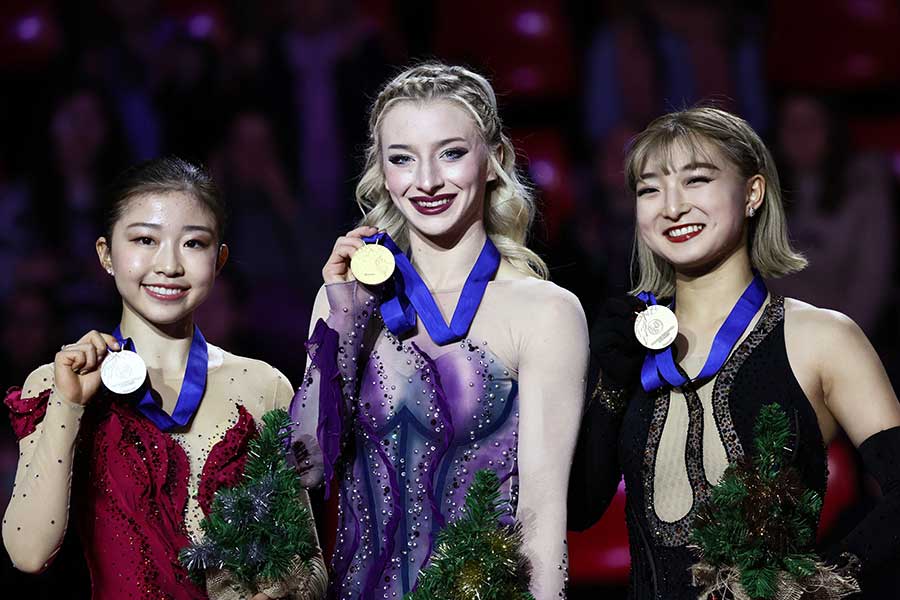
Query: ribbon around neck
point(192, 386)
point(659, 366)
point(412, 298)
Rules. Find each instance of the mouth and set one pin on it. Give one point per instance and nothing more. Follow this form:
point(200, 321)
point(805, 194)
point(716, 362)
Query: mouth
point(165, 291)
point(682, 233)
point(432, 205)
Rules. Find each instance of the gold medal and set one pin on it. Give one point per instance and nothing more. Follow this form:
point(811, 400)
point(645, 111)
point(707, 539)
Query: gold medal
point(656, 327)
point(123, 372)
point(372, 264)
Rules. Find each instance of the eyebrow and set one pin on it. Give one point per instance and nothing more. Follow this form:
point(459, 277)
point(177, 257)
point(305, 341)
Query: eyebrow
point(440, 143)
point(693, 166)
point(185, 228)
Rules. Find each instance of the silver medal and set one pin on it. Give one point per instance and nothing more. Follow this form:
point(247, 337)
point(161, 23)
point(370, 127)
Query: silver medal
point(656, 327)
point(123, 372)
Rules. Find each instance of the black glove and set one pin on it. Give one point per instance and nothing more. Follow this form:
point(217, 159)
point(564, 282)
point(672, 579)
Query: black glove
point(615, 350)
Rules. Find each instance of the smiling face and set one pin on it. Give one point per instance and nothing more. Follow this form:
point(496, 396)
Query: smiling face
point(692, 206)
point(164, 255)
point(435, 166)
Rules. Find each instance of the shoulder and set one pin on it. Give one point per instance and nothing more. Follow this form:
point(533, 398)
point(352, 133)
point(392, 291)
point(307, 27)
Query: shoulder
point(39, 380)
point(250, 369)
point(830, 336)
point(542, 308)
point(820, 324)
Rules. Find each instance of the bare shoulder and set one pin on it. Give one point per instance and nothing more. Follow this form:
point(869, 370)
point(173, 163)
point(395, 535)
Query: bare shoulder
point(821, 326)
point(39, 380)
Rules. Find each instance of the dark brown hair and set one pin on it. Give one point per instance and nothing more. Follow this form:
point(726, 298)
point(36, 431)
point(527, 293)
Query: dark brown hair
point(164, 176)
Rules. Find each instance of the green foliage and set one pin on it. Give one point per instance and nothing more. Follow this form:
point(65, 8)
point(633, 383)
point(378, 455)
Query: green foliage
point(475, 557)
point(256, 529)
point(759, 518)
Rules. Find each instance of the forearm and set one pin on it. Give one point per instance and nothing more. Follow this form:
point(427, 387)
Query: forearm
point(544, 528)
point(595, 472)
point(36, 518)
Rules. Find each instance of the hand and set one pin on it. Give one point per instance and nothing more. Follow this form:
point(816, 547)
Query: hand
point(337, 269)
point(76, 368)
point(614, 347)
point(261, 596)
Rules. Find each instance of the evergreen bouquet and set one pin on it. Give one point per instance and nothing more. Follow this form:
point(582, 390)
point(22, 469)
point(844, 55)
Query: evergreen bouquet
point(259, 532)
point(476, 557)
point(755, 534)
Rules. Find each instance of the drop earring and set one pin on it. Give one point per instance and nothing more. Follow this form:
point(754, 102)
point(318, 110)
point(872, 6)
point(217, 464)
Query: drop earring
point(751, 212)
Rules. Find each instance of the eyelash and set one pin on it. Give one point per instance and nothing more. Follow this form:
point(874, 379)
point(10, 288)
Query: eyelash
point(450, 154)
point(646, 190)
point(699, 178)
point(148, 241)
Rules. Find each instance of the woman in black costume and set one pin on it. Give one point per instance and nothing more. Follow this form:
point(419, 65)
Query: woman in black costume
point(711, 226)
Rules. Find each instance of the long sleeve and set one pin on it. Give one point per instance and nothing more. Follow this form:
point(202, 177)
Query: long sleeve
point(595, 472)
point(876, 540)
point(551, 379)
point(324, 401)
point(37, 516)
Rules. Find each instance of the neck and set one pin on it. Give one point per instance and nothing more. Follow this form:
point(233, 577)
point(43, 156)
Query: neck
point(163, 347)
point(445, 263)
point(712, 293)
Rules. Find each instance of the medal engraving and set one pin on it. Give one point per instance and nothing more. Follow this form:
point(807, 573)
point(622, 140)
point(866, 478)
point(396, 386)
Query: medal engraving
point(372, 264)
point(123, 372)
point(656, 327)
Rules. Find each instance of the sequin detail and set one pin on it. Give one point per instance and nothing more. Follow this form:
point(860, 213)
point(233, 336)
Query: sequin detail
point(676, 533)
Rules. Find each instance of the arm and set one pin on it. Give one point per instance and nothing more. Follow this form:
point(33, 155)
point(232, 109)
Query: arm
point(552, 366)
point(321, 404)
point(614, 371)
point(858, 394)
point(36, 518)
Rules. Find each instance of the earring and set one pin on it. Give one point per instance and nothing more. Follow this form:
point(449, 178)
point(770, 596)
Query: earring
point(109, 270)
point(751, 212)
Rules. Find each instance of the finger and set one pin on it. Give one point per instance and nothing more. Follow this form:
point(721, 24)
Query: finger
point(362, 231)
point(90, 359)
point(110, 341)
point(71, 358)
point(98, 342)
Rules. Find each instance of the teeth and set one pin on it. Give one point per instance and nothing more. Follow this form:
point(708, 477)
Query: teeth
point(684, 230)
point(164, 291)
point(435, 203)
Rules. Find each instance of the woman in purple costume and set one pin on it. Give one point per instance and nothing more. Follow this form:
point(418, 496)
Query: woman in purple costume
point(404, 415)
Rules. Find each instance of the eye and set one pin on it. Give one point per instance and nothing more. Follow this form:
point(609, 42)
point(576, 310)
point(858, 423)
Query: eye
point(399, 159)
point(645, 191)
point(194, 243)
point(698, 179)
point(143, 240)
point(454, 153)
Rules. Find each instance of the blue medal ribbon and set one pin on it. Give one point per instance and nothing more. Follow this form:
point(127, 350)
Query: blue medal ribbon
point(412, 298)
point(659, 366)
point(192, 386)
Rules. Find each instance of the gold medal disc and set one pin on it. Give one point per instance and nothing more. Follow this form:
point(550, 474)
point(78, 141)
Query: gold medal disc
point(372, 264)
point(656, 327)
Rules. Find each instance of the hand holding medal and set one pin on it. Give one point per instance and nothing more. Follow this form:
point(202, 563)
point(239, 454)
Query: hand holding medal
point(77, 366)
point(369, 267)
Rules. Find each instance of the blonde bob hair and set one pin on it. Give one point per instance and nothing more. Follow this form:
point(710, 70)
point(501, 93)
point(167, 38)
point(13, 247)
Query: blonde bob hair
point(509, 205)
point(696, 129)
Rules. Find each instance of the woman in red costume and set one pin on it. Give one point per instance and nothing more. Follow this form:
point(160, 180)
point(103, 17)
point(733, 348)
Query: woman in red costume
point(137, 469)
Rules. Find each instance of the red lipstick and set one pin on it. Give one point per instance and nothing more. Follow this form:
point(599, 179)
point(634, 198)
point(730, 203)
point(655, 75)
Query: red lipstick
point(432, 205)
point(682, 233)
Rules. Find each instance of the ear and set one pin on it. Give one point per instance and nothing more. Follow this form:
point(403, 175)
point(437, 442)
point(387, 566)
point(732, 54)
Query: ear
point(756, 193)
point(103, 253)
point(495, 162)
point(222, 258)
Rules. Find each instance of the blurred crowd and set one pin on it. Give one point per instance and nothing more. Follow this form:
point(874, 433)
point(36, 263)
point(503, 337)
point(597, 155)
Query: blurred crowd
point(272, 96)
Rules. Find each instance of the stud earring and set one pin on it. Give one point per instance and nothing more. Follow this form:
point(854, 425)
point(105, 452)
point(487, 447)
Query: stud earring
point(751, 212)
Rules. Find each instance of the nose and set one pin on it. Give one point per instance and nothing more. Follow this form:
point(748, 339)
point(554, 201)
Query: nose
point(675, 204)
point(168, 260)
point(428, 177)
